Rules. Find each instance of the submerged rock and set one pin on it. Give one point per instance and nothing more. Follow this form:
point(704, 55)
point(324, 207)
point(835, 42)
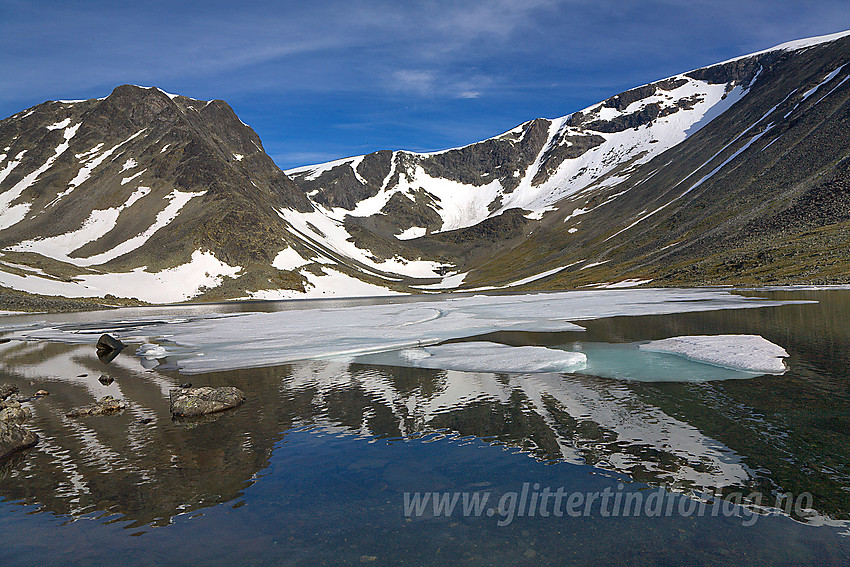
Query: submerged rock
point(106, 380)
point(190, 402)
point(104, 406)
point(13, 437)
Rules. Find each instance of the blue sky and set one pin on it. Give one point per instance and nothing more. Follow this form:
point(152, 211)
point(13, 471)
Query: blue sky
point(321, 80)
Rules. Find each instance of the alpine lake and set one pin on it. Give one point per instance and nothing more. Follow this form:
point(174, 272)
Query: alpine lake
point(332, 462)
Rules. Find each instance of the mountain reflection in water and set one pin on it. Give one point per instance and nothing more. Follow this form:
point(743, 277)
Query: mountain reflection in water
point(771, 434)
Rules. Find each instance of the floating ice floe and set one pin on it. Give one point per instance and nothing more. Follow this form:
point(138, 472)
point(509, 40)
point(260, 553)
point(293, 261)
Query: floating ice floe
point(493, 357)
point(148, 350)
point(745, 352)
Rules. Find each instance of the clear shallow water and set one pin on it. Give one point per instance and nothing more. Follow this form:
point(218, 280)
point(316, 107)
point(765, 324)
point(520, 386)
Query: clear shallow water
point(314, 467)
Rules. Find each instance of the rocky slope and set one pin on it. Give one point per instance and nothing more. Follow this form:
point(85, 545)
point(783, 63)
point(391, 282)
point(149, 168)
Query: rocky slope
point(734, 173)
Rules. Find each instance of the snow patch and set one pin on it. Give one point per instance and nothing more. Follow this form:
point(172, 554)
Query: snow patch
point(59, 125)
point(183, 282)
point(13, 163)
point(449, 282)
point(322, 231)
point(177, 200)
point(411, 233)
point(625, 283)
point(536, 277)
point(288, 259)
point(126, 180)
point(332, 283)
point(312, 172)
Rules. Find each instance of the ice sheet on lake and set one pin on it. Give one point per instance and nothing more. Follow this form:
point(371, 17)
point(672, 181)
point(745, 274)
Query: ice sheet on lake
point(745, 352)
point(621, 361)
point(268, 339)
point(493, 357)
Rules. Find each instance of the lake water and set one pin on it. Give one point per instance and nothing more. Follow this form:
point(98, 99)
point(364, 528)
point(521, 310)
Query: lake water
point(339, 461)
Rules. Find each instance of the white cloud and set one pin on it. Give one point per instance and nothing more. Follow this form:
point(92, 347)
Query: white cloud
point(413, 81)
point(433, 83)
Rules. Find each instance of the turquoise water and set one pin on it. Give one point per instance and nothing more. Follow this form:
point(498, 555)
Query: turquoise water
point(314, 467)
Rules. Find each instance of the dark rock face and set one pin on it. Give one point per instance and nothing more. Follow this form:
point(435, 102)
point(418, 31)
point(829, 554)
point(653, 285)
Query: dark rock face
point(107, 405)
point(496, 158)
point(741, 71)
point(634, 120)
point(623, 100)
point(418, 211)
point(344, 186)
point(192, 402)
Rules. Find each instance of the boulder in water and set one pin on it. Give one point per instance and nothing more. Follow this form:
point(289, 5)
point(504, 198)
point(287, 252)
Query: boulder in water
point(13, 438)
point(108, 348)
point(191, 402)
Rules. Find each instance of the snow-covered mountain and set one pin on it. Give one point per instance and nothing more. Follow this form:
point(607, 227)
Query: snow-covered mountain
point(687, 180)
point(532, 167)
point(733, 173)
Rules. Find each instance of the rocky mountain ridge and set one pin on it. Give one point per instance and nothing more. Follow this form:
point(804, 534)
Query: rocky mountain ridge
point(733, 173)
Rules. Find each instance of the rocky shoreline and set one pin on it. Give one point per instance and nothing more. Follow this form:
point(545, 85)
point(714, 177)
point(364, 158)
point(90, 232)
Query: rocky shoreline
point(14, 300)
point(186, 402)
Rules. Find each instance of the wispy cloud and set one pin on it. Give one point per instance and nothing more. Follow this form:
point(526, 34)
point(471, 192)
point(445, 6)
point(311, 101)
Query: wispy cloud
point(434, 84)
point(298, 69)
point(421, 83)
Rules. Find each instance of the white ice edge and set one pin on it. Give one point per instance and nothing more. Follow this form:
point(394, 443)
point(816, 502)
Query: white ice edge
point(751, 353)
